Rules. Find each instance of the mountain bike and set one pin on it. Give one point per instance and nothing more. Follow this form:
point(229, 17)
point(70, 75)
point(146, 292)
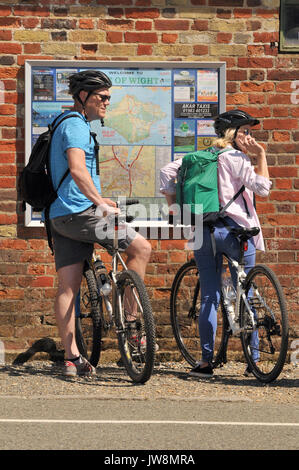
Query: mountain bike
point(255, 311)
point(116, 300)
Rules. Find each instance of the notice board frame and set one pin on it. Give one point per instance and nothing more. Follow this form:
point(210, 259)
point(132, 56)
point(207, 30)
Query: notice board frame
point(180, 83)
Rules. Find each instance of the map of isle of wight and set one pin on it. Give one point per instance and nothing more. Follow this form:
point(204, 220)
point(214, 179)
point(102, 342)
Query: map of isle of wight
point(133, 118)
point(137, 130)
point(133, 171)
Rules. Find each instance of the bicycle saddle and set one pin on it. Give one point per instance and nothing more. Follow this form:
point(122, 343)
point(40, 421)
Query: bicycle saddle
point(244, 233)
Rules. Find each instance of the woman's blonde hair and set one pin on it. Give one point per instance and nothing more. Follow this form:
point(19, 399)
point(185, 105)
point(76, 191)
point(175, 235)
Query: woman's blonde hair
point(227, 139)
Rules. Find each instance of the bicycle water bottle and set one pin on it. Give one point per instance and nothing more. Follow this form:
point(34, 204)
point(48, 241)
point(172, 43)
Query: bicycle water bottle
point(103, 280)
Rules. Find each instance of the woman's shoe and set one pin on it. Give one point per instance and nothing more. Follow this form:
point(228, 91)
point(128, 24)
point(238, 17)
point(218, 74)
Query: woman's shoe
point(199, 371)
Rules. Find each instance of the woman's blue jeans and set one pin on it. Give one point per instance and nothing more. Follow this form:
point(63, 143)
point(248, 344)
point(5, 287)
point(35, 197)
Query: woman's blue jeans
point(210, 280)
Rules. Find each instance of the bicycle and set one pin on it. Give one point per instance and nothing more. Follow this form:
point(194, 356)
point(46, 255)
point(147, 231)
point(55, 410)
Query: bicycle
point(255, 311)
point(119, 300)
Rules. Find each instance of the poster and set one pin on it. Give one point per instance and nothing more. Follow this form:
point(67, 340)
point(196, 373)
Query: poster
point(157, 113)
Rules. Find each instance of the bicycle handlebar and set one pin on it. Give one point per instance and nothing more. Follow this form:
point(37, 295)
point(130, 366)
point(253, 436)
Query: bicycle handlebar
point(128, 202)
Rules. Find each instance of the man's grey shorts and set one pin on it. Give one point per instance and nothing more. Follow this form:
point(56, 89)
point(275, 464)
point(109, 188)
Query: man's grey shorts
point(74, 236)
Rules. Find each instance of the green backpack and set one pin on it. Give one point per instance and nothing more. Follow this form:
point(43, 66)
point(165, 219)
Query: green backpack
point(197, 186)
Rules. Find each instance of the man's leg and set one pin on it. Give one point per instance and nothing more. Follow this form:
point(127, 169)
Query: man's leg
point(138, 255)
point(69, 280)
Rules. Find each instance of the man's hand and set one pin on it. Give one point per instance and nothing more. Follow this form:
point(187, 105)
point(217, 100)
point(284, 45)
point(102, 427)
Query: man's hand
point(106, 208)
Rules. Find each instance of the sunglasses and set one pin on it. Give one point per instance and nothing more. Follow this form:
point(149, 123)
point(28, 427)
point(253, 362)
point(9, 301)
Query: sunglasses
point(247, 132)
point(103, 97)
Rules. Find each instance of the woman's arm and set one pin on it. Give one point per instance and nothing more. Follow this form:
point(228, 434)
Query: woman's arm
point(250, 146)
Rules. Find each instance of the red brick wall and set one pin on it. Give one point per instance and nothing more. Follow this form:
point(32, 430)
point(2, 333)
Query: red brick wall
point(244, 34)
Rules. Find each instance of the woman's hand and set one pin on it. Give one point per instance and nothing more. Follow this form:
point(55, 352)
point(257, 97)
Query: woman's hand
point(248, 144)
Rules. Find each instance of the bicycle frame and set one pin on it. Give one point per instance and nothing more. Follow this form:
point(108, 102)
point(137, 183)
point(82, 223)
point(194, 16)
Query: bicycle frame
point(241, 276)
point(116, 258)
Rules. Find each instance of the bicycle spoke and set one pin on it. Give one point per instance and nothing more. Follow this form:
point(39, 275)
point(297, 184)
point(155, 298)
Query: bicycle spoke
point(265, 345)
point(136, 332)
point(184, 313)
point(88, 320)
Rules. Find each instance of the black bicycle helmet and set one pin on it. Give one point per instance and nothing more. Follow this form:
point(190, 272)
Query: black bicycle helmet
point(88, 80)
point(233, 120)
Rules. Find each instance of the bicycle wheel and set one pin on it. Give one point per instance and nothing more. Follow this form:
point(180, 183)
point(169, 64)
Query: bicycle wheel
point(88, 323)
point(184, 312)
point(266, 347)
point(135, 326)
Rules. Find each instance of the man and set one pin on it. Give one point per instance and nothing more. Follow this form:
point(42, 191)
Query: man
point(75, 223)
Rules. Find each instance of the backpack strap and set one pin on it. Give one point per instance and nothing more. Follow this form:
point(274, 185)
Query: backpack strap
point(223, 209)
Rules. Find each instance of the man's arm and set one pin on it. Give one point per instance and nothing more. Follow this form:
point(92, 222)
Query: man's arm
point(82, 178)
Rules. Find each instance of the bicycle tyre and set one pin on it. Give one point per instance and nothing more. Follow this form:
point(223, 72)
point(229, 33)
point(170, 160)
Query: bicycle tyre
point(184, 308)
point(89, 333)
point(272, 335)
point(137, 359)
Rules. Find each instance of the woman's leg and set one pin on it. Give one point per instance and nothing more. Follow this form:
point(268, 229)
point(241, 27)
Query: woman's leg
point(210, 296)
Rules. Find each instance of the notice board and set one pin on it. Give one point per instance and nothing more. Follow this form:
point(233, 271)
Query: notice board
point(159, 111)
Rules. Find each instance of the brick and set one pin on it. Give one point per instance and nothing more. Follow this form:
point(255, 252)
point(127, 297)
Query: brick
point(43, 281)
point(116, 25)
point(116, 12)
point(22, 10)
point(9, 22)
point(141, 37)
point(265, 37)
point(22, 58)
point(87, 11)
point(58, 48)
point(200, 50)
point(144, 49)
point(87, 36)
point(51, 23)
point(173, 50)
point(281, 136)
point(31, 36)
point(171, 25)
point(5, 35)
point(6, 219)
point(86, 23)
point(256, 87)
point(33, 48)
point(227, 50)
point(283, 184)
point(255, 62)
point(140, 13)
point(201, 25)
point(224, 38)
point(226, 3)
point(292, 196)
point(8, 72)
point(114, 36)
point(280, 124)
point(143, 25)
point(227, 26)
point(169, 38)
point(242, 13)
point(7, 109)
point(30, 23)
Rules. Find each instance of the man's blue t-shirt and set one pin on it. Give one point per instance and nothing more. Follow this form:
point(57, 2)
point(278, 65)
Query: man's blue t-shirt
point(73, 132)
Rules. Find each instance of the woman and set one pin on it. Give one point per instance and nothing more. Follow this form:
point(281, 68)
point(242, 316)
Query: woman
point(233, 129)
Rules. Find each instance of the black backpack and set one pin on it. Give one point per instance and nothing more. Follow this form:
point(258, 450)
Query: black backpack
point(35, 185)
